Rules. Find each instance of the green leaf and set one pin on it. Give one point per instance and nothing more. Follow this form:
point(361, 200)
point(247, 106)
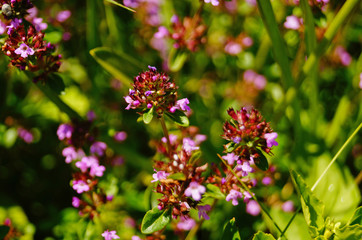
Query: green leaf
point(10, 137)
point(147, 116)
point(55, 83)
point(231, 231)
point(178, 176)
point(155, 220)
point(357, 217)
point(177, 59)
point(230, 147)
point(261, 162)
point(120, 5)
point(3, 231)
point(179, 117)
point(263, 236)
point(312, 207)
point(195, 156)
point(279, 47)
point(120, 65)
point(214, 192)
point(310, 36)
point(353, 232)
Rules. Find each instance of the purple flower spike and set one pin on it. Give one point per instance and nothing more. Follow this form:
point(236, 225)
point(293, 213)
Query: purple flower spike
point(203, 211)
point(234, 195)
point(270, 139)
point(109, 235)
point(195, 190)
point(24, 50)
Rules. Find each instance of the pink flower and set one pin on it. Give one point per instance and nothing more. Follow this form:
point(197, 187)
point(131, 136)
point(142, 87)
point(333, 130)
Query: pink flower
point(64, 131)
point(120, 136)
point(181, 104)
point(80, 186)
point(244, 168)
point(267, 181)
point(86, 163)
point(24, 50)
point(360, 80)
point(288, 206)
point(213, 2)
point(186, 224)
point(159, 175)
point(253, 208)
point(63, 15)
point(234, 195)
point(231, 158)
point(70, 154)
point(172, 137)
point(195, 190)
point(270, 139)
point(233, 48)
point(98, 148)
point(97, 170)
point(247, 196)
point(39, 24)
point(162, 32)
point(189, 145)
point(109, 235)
point(293, 22)
point(343, 55)
point(203, 211)
point(76, 202)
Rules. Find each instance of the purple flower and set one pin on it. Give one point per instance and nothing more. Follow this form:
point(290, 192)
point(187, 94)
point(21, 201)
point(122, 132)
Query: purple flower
point(343, 55)
point(203, 211)
point(80, 186)
point(172, 137)
point(233, 48)
point(266, 181)
point(98, 148)
point(39, 24)
point(86, 163)
point(244, 168)
point(231, 158)
point(253, 208)
point(131, 4)
point(162, 32)
point(360, 80)
point(25, 135)
point(270, 139)
point(131, 103)
point(288, 206)
point(234, 195)
point(199, 138)
point(117, 161)
point(148, 93)
point(154, 69)
point(195, 190)
point(97, 170)
point(91, 115)
point(24, 50)
point(63, 15)
point(186, 224)
point(189, 145)
point(76, 202)
point(159, 175)
point(13, 25)
point(70, 154)
point(135, 237)
point(213, 2)
point(293, 22)
point(120, 136)
point(2, 27)
point(247, 196)
point(181, 104)
point(109, 235)
point(64, 131)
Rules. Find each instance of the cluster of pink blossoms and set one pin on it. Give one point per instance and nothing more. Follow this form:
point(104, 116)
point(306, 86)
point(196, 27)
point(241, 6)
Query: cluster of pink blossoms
point(78, 135)
point(25, 45)
point(178, 175)
point(248, 135)
point(152, 89)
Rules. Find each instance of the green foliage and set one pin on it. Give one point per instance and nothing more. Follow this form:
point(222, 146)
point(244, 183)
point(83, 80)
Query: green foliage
point(263, 236)
point(313, 208)
point(155, 220)
point(231, 231)
point(214, 192)
point(261, 162)
point(55, 83)
point(147, 116)
point(3, 231)
point(179, 118)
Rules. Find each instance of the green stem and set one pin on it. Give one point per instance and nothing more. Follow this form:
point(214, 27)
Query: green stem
point(336, 156)
point(325, 171)
point(58, 102)
point(251, 193)
point(165, 132)
point(279, 46)
point(338, 20)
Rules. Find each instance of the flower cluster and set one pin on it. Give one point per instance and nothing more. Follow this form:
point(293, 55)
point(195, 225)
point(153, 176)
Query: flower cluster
point(15, 8)
point(179, 177)
point(25, 45)
point(248, 134)
point(78, 135)
point(234, 46)
point(189, 33)
point(152, 89)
